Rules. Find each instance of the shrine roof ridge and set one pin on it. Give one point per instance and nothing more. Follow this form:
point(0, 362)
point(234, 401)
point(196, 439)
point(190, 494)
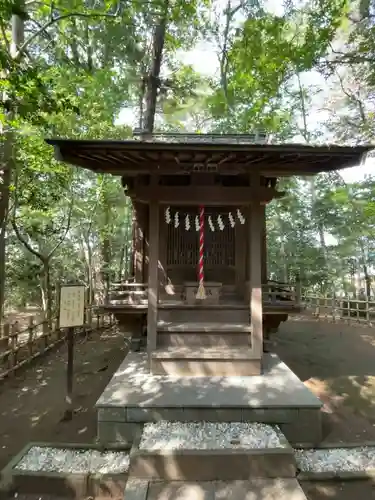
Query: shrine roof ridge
point(256, 137)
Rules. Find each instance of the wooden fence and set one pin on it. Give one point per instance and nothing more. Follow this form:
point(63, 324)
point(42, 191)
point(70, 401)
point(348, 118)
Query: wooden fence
point(340, 308)
point(20, 347)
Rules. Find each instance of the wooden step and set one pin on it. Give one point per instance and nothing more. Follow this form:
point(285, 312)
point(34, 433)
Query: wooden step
point(205, 361)
point(203, 327)
point(217, 456)
point(203, 334)
point(202, 314)
point(203, 339)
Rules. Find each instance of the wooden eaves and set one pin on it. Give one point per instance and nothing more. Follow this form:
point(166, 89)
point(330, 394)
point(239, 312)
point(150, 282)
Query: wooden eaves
point(135, 157)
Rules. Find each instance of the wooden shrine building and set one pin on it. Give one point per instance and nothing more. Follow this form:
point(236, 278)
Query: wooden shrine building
point(200, 240)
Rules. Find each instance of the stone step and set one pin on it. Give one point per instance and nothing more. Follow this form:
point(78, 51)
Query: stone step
point(208, 451)
point(253, 489)
point(205, 361)
point(203, 334)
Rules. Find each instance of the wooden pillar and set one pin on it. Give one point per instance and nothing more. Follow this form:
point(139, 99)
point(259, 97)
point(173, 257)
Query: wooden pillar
point(264, 245)
point(153, 281)
point(138, 242)
point(163, 248)
point(144, 241)
point(256, 312)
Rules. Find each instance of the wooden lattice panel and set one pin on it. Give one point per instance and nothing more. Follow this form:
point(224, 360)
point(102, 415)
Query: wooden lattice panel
point(183, 245)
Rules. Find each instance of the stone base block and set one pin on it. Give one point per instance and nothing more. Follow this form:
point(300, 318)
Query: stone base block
point(116, 432)
point(306, 428)
point(61, 484)
point(210, 465)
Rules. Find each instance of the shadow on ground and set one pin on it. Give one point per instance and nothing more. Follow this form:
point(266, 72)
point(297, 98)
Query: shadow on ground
point(337, 362)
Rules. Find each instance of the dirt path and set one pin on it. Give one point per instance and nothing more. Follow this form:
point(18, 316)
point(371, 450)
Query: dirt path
point(32, 403)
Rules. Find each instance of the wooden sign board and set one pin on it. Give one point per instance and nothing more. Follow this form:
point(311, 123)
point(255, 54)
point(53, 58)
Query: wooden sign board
point(72, 306)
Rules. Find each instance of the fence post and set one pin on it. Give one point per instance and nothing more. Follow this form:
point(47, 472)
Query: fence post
point(341, 308)
point(349, 309)
point(298, 292)
point(317, 306)
point(13, 347)
point(333, 305)
point(30, 329)
point(89, 316)
point(4, 340)
point(367, 310)
point(57, 327)
point(357, 309)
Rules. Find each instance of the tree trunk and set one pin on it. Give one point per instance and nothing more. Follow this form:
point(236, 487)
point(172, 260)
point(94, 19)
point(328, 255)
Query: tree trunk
point(121, 262)
point(365, 269)
point(43, 297)
point(47, 291)
point(90, 273)
point(4, 208)
point(7, 163)
point(105, 253)
point(153, 80)
point(319, 225)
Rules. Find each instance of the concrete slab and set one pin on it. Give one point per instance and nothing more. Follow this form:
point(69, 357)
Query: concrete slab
point(256, 489)
point(133, 386)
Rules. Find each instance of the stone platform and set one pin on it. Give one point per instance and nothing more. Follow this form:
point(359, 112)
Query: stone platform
point(134, 397)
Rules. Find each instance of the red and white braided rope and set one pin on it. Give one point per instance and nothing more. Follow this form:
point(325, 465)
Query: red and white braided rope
point(201, 292)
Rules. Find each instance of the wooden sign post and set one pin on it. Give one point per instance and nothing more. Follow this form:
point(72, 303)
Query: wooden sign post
point(72, 314)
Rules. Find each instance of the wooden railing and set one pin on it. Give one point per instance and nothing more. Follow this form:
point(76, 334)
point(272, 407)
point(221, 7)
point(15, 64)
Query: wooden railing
point(340, 308)
point(276, 292)
point(19, 347)
point(128, 294)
